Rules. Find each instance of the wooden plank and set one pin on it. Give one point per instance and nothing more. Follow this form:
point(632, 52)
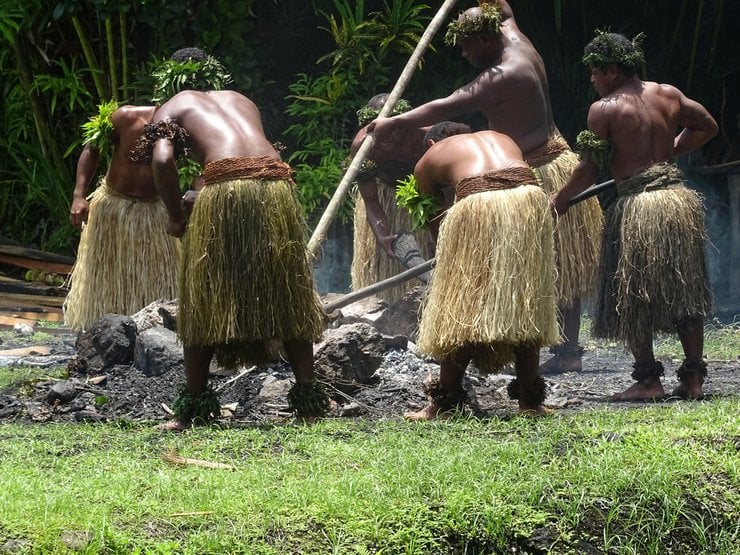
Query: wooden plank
point(12, 320)
point(30, 300)
point(35, 264)
point(10, 285)
point(27, 351)
point(35, 254)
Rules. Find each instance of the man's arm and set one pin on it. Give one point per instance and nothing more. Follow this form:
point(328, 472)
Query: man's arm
point(376, 217)
point(167, 181)
point(389, 132)
point(699, 126)
point(87, 165)
point(587, 170)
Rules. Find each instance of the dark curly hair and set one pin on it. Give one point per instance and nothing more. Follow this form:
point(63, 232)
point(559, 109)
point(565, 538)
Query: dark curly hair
point(191, 54)
point(607, 49)
point(443, 130)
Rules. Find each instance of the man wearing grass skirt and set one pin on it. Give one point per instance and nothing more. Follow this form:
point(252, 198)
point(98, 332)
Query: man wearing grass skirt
point(512, 92)
point(245, 281)
point(653, 271)
point(126, 259)
point(492, 296)
point(378, 220)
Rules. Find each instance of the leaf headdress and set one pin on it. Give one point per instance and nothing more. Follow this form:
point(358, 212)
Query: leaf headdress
point(171, 77)
point(489, 21)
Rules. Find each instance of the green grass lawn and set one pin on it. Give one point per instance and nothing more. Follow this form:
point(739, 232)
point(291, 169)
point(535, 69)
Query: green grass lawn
point(648, 479)
point(658, 479)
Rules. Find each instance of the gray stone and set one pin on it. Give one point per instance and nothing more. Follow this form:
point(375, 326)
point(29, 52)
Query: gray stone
point(61, 392)
point(275, 389)
point(349, 355)
point(157, 351)
point(108, 342)
point(156, 314)
point(402, 318)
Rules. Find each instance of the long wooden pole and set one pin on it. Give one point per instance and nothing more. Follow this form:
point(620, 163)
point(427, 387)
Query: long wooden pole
point(406, 275)
point(327, 217)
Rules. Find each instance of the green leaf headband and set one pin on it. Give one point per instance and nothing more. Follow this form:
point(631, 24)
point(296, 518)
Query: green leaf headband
point(366, 114)
point(614, 53)
point(171, 77)
point(489, 21)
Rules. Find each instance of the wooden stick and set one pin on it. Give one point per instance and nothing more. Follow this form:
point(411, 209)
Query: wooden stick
point(593, 190)
point(327, 217)
point(379, 286)
point(173, 458)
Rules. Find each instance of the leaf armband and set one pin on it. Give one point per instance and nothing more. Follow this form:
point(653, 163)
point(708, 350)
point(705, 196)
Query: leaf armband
point(98, 130)
point(422, 207)
point(601, 150)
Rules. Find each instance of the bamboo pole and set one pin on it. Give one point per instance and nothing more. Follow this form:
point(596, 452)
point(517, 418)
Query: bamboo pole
point(327, 217)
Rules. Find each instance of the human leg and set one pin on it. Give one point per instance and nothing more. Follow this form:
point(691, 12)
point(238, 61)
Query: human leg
point(307, 398)
point(445, 393)
point(528, 387)
point(566, 356)
point(692, 372)
point(647, 373)
point(195, 402)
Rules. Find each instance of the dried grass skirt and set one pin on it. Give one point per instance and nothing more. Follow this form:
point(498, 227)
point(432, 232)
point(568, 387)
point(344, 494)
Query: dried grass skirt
point(493, 286)
point(577, 234)
point(246, 280)
point(653, 271)
point(125, 259)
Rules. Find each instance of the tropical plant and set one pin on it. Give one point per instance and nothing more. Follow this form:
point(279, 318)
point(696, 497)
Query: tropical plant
point(370, 49)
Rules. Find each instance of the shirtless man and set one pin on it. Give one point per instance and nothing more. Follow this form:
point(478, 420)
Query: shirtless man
point(125, 259)
point(378, 219)
point(636, 130)
point(512, 93)
point(485, 259)
point(247, 278)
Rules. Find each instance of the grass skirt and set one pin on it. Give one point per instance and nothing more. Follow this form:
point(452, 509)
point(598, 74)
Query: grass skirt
point(125, 259)
point(577, 234)
point(653, 270)
point(493, 284)
point(370, 263)
point(245, 279)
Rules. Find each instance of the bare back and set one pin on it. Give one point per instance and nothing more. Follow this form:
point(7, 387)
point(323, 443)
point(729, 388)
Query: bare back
point(518, 99)
point(643, 118)
point(124, 175)
point(220, 124)
point(455, 158)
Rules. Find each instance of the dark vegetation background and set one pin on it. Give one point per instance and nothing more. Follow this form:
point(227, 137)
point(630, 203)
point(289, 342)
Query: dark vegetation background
point(309, 65)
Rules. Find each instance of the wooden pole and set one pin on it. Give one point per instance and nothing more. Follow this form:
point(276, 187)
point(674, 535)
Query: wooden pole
point(327, 217)
point(379, 286)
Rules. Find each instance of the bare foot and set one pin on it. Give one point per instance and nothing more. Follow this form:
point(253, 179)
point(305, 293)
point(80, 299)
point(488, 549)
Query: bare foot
point(431, 412)
point(690, 387)
point(560, 364)
point(646, 390)
point(173, 426)
point(533, 412)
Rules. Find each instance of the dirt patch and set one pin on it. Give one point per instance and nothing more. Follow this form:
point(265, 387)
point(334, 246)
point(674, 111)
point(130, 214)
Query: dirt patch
point(257, 395)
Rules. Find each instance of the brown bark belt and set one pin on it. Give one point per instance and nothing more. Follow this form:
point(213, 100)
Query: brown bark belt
point(494, 181)
point(546, 152)
point(253, 167)
point(658, 176)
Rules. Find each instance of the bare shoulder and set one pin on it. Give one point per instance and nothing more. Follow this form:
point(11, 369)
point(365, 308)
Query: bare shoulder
point(664, 89)
point(129, 112)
